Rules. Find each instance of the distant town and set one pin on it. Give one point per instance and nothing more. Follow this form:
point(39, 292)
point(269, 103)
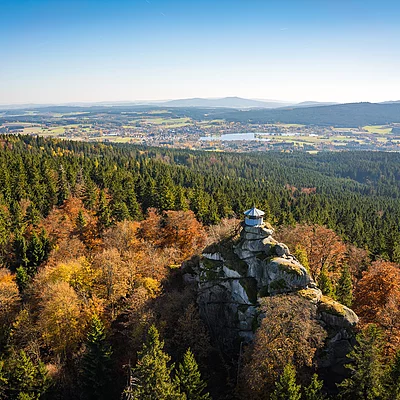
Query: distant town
point(190, 129)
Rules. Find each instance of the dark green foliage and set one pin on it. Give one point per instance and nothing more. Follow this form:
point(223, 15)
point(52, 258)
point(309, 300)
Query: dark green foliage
point(20, 249)
point(151, 377)
point(314, 390)
point(22, 278)
point(286, 387)
point(31, 252)
point(96, 362)
point(26, 379)
point(103, 212)
point(3, 380)
point(32, 215)
point(392, 379)
point(366, 367)
point(188, 378)
point(346, 115)
point(81, 222)
point(63, 186)
point(344, 288)
point(325, 284)
point(120, 212)
point(35, 253)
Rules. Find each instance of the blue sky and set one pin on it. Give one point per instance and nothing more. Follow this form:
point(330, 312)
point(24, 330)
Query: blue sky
point(54, 51)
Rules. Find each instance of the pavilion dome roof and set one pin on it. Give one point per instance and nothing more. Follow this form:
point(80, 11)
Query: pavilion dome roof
point(254, 212)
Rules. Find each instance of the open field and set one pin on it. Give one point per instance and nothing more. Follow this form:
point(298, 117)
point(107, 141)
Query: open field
point(380, 129)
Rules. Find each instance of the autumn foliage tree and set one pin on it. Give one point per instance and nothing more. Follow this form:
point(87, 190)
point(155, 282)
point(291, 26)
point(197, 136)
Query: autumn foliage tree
point(377, 300)
point(294, 337)
point(323, 246)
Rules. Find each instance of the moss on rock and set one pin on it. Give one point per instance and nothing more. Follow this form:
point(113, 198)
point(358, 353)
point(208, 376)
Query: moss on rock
point(313, 295)
point(278, 285)
point(330, 306)
point(289, 267)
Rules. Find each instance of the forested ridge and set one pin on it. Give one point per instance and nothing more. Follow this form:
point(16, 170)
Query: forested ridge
point(93, 300)
point(355, 193)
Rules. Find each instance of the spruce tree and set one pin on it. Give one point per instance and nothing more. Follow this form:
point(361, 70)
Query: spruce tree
point(26, 380)
point(96, 362)
point(314, 390)
point(286, 387)
point(35, 254)
point(20, 250)
point(188, 378)
point(121, 211)
point(365, 382)
point(133, 205)
point(63, 186)
point(392, 379)
point(103, 212)
point(22, 278)
point(344, 288)
point(32, 215)
point(181, 203)
point(80, 222)
point(151, 377)
point(325, 283)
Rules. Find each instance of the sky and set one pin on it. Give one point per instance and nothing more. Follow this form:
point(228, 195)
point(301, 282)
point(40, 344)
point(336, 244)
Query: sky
point(59, 51)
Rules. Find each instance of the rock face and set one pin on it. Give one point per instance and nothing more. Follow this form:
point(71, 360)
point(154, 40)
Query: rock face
point(234, 274)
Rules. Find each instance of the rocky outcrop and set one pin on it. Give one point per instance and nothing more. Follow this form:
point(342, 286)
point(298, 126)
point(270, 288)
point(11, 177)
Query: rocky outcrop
point(234, 274)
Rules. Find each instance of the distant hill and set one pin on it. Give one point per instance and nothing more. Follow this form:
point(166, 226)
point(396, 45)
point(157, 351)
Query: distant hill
point(343, 115)
point(226, 102)
point(314, 104)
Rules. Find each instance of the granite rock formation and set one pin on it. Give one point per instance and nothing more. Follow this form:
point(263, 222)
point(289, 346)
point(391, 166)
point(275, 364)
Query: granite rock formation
point(234, 274)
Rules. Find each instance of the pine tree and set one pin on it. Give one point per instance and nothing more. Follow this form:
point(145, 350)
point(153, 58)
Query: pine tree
point(90, 195)
point(392, 379)
point(314, 390)
point(286, 387)
point(344, 288)
point(32, 215)
point(26, 380)
point(188, 378)
point(133, 205)
point(63, 186)
point(181, 203)
point(151, 377)
point(96, 362)
point(365, 383)
point(80, 222)
point(20, 250)
point(325, 283)
point(103, 212)
point(35, 254)
point(121, 212)
point(22, 278)
point(165, 195)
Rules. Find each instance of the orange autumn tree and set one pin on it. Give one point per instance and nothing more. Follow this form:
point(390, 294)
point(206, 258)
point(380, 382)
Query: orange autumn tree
point(294, 337)
point(323, 246)
point(377, 300)
point(182, 231)
point(177, 230)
